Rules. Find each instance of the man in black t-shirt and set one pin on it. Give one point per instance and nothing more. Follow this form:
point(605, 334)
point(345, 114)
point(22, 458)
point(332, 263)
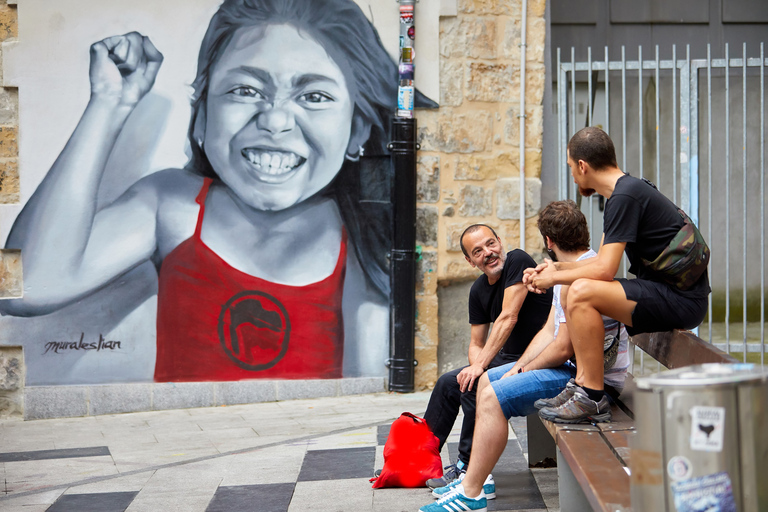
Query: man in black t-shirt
point(499, 297)
point(640, 221)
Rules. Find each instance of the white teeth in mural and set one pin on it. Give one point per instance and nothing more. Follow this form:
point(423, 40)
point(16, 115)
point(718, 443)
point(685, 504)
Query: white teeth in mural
point(273, 162)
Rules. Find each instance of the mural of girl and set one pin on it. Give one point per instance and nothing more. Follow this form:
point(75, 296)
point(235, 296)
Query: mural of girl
point(269, 264)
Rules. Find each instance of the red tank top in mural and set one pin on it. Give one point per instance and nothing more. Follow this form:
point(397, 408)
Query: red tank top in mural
point(216, 323)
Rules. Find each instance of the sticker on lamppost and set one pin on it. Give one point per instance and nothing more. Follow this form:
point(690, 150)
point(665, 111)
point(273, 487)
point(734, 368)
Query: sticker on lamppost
point(707, 428)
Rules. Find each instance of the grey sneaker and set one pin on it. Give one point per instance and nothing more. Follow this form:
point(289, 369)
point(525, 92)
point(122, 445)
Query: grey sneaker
point(560, 399)
point(451, 473)
point(579, 409)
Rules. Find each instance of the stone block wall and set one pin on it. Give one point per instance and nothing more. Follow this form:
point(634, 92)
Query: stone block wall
point(468, 168)
point(11, 381)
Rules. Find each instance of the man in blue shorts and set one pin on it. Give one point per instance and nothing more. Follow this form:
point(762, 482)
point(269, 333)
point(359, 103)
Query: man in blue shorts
point(518, 389)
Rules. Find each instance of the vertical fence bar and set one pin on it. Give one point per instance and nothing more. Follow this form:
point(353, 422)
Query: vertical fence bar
point(573, 108)
point(727, 204)
point(607, 96)
point(562, 93)
point(762, 204)
point(624, 137)
point(744, 196)
point(658, 134)
point(560, 113)
point(709, 174)
point(640, 108)
point(693, 145)
point(675, 127)
point(685, 135)
point(589, 114)
point(693, 142)
point(623, 110)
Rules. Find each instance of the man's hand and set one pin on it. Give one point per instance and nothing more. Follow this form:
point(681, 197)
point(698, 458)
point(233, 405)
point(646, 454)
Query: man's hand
point(544, 277)
point(467, 377)
point(514, 370)
point(528, 275)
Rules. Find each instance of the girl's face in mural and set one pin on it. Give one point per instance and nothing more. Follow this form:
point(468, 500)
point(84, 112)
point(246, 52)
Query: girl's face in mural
point(278, 117)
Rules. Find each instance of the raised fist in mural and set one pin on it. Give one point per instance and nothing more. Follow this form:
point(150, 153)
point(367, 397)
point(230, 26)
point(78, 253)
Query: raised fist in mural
point(124, 67)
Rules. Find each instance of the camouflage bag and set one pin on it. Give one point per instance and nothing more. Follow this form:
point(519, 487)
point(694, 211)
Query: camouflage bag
point(685, 259)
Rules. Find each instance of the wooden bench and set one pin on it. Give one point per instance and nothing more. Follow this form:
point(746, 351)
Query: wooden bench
point(593, 460)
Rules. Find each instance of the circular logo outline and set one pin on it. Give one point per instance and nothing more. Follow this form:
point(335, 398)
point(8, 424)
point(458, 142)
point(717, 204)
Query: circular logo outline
point(286, 331)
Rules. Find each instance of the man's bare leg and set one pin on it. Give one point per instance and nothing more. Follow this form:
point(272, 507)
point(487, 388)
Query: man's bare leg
point(489, 440)
point(587, 300)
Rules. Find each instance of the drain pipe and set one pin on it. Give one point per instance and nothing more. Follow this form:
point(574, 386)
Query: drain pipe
point(522, 117)
point(402, 266)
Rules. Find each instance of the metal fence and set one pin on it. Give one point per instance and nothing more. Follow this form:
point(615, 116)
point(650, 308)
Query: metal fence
point(696, 127)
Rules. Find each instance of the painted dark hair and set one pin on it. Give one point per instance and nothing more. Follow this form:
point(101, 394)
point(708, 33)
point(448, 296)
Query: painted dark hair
point(565, 225)
point(342, 29)
point(594, 146)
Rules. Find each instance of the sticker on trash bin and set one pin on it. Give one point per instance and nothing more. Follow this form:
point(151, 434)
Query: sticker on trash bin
point(707, 428)
point(711, 493)
point(679, 468)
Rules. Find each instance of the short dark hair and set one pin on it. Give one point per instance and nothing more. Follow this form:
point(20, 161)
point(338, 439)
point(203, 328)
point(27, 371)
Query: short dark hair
point(472, 229)
point(565, 225)
point(594, 146)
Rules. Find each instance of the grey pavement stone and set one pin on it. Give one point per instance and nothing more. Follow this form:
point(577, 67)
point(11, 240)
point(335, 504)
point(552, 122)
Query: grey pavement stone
point(397, 500)
point(293, 389)
point(361, 386)
point(99, 502)
point(120, 398)
point(324, 495)
point(41, 402)
point(272, 497)
point(170, 500)
point(122, 484)
point(245, 392)
point(31, 502)
point(182, 395)
point(267, 466)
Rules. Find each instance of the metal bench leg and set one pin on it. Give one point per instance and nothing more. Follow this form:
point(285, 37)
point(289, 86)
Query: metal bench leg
point(540, 443)
point(572, 498)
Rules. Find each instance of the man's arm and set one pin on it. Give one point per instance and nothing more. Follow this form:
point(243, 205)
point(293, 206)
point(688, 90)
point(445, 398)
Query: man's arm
point(538, 344)
point(555, 353)
point(514, 296)
point(603, 267)
point(478, 335)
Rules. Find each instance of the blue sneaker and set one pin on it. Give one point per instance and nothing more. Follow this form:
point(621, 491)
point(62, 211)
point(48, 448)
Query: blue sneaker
point(457, 501)
point(451, 474)
point(489, 487)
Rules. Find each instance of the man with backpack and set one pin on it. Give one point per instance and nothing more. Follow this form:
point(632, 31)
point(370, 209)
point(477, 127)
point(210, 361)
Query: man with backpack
point(665, 252)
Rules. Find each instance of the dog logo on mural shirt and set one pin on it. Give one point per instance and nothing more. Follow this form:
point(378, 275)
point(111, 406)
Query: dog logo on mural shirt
point(254, 330)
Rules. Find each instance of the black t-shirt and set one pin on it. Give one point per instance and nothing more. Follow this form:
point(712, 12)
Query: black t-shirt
point(641, 216)
point(486, 301)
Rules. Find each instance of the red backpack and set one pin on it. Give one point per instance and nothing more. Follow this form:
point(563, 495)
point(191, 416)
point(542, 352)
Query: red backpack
point(411, 455)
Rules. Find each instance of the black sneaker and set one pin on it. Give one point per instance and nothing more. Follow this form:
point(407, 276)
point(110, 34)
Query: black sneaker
point(451, 473)
point(560, 399)
point(579, 409)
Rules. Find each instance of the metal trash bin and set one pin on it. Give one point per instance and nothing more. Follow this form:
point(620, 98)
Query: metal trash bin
point(702, 440)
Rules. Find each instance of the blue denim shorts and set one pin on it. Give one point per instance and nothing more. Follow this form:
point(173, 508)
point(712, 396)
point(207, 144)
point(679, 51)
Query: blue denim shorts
point(518, 392)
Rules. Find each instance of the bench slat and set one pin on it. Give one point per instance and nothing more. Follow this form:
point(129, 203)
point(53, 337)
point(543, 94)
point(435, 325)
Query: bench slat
point(619, 441)
point(600, 474)
point(675, 349)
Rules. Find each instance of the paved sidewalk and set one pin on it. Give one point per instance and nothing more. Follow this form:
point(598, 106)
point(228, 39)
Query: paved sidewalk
point(298, 455)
